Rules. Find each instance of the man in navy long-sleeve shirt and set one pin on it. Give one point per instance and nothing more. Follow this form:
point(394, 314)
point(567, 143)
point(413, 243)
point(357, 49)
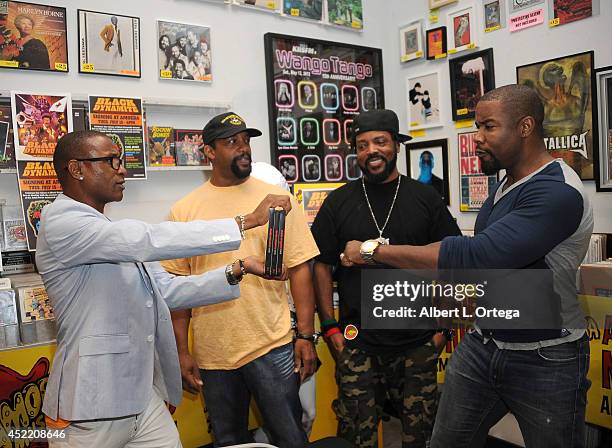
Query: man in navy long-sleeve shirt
point(538, 217)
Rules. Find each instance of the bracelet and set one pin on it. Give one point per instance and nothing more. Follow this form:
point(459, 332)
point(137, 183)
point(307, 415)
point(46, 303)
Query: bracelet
point(331, 331)
point(329, 322)
point(229, 275)
point(242, 268)
point(242, 231)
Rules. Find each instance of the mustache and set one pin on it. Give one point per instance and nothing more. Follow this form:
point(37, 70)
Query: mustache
point(245, 156)
point(374, 156)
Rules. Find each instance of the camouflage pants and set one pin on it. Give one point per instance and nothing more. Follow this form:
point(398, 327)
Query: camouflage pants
point(366, 381)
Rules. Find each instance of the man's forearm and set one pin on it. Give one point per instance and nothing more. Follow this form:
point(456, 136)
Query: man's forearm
point(324, 291)
point(303, 297)
point(409, 257)
point(180, 323)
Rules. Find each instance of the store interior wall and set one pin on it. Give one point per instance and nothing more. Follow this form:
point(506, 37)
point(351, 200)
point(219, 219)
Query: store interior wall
point(239, 78)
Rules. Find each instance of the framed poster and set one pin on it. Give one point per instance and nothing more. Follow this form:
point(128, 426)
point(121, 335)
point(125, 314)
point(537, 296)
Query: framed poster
point(109, 44)
point(439, 3)
point(474, 186)
point(315, 90)
point(423, 104)
point(462, 30)
point(262, 5)
point(411, 41)
point(304, 9)
point(427, 163)
point(121, 120)
point(494, 15)
point(436, 43)
point(310, 197)
point(33, 37)
point(517, 5)
point(183, 51)
point(346, 13)
point(561, 12)
point(566, 86)
point(603, 159)
point(471, 76)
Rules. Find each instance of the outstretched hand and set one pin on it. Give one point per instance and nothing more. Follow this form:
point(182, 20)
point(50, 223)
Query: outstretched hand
point(255, 266)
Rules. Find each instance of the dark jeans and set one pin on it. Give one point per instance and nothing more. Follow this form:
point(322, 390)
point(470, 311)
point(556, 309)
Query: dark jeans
point(271, 381)
point(545, 389)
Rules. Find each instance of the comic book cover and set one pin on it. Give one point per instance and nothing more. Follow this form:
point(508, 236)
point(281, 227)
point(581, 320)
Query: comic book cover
point(306, 9)
point(188, 144)
point(39, 121)
point(34, 304)
point(183, 51)
point(568, 11)
point(33, 37)
point(160, 145)
point(7, 152)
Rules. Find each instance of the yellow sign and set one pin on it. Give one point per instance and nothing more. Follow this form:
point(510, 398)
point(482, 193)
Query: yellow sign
point(452, 51)
point(165, 74)
point(492, 28)
point(271, 5)
point(61, 66)
point(406, 58)
point(434, 15)
point(418, 133)
point(13, 64)
point(87, 68)
point(310, 197)
point(598, 311)
point(462, 111)
point(554, 22)
point(440, 56)
point(414, 124)
point(356, 24)
point(471, 45)
point(295, 12)
point(418, 54)
point(461, 124)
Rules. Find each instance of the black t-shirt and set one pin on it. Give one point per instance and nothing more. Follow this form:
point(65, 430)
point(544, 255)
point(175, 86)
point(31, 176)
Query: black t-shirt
point(419, 217)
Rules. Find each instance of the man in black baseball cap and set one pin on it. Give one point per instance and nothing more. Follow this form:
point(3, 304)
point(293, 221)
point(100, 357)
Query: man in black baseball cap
point(380, 208)
point(226, 125)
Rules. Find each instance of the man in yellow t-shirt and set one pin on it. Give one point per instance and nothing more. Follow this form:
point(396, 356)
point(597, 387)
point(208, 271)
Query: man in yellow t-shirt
point(245, 348)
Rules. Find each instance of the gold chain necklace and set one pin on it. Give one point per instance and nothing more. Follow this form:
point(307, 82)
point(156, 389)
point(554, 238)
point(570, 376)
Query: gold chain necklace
point(380, 238)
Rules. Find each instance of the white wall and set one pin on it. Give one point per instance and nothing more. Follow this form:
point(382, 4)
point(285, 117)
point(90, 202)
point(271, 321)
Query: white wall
point(510, 50)
point(238, 70)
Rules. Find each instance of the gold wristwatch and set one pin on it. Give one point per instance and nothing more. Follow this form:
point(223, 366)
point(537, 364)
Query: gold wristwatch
point(367, 250)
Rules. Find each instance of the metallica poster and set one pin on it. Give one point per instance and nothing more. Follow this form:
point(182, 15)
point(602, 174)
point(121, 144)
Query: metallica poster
point(315, 90)
point(565, 85)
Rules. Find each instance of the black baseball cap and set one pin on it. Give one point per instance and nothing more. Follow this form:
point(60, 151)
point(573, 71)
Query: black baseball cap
point(379, 120)
point(226, 125)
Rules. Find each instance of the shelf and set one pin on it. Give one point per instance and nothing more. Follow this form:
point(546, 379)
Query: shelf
point(8, 171)
point(179, 168)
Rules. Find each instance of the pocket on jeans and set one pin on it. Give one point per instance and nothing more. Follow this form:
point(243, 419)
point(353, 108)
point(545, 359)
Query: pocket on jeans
point(567, 352)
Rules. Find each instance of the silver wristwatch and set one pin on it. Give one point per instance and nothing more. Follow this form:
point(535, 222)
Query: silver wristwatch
point(367, 250)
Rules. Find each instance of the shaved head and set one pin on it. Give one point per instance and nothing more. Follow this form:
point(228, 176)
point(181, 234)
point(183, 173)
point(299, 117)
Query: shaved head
point(520, 101)
point(73, 145)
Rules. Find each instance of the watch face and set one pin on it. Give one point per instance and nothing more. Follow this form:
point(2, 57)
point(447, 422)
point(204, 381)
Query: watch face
point(369, 246)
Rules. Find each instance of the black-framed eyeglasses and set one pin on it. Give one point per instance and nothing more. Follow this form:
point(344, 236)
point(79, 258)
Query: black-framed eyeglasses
point(114, 161)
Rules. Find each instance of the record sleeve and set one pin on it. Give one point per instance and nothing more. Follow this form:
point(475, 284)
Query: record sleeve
point(160, 146)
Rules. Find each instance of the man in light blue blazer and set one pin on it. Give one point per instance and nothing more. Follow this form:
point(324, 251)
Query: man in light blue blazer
point(116, 360)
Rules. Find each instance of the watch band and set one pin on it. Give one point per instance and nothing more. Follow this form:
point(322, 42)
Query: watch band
point(307, 337)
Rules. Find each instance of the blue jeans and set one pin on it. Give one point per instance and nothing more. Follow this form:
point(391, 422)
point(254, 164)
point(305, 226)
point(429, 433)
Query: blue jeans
point(271, 381)
point(545, 389)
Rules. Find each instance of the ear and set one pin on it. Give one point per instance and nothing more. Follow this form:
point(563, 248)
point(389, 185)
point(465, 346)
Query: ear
point(210, 152)
point(397, 147)
point(74, 169)
point(527, 126)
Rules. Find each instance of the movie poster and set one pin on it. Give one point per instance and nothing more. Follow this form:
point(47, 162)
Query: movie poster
point(347, 13)
point(310, 197)
point(471, 77)
point(305, 9)
point(568, 11)
point(7, 142)
point(109, 44)
point(38, 187)
point(121, 119)
point(315, 90)
point(33, 37)
point(39, 121)
point(565, 86)
point(475, 185)
point(183, 51)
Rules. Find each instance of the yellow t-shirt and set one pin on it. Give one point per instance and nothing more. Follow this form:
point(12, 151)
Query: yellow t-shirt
point(231, 334)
